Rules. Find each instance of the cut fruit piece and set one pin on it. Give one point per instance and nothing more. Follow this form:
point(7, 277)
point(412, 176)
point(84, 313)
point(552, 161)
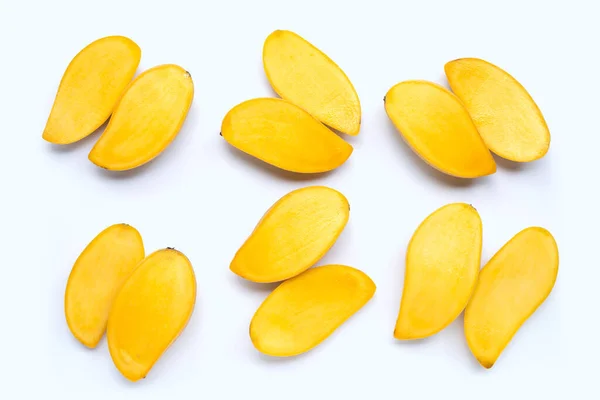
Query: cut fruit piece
point(95, 279)
point(292, 235)
point(302, 74)
point(506, 116)
point(284, 135)
point(439, 129)
point(90, 88)
point(442, 264)
point(146, 120)
point(151, 310)
point(513, 284)
point(303, 311)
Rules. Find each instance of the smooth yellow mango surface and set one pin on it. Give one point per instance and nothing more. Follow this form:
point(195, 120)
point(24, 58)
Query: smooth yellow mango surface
point(304, 75)
point(284, 135)
point(512, 285)
point(90, 88)
point(506, 116)
point(292, 235)
point(442, 264)
point(439, 129)
point(151, 310)
point(146, 120)
point(303, 311)
point(96, 277)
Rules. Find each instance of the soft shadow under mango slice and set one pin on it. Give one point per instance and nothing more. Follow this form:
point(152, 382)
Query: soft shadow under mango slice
point(90, 87)
point(292, 235)
point(512, 285)
point(303, 311)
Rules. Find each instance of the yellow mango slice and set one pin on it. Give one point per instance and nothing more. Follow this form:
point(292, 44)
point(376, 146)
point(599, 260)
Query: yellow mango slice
point(303, 311)
point(90, 87)
point(506, 116)
point(304, 75)
point(151, 310)
point(292, 235)
point(146, 120)
point(512, 285)
point(442, 264)
point(284, 135)
point(439, 129)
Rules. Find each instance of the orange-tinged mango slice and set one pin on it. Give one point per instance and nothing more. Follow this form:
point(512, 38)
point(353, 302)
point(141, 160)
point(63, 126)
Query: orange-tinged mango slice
point(304, 75)
point(303, 311)
point(151, 310)
point(284, 135)
point(90, 87)
point(506, 116)
point(512, 285)
point(96, 277)
point(146, 120)
point(442, 264)
point(439, 129)
point(292, 235)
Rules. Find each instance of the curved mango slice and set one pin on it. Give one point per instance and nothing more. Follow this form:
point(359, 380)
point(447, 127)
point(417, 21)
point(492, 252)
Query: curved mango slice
point(506, 116)
point(284, 135)
point(292, 235)
point(90, 87)
point(303, 311)
point(96, 277)
point(302, 74)
point(146, 120)
point(439, 129)
point(513, 284)
point(150, 311)
point(442, 264)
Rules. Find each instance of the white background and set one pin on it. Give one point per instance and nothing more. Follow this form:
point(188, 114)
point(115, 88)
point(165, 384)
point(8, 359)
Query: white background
point(204, 197)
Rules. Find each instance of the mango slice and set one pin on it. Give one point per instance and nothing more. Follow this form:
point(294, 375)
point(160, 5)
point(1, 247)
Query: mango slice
point(303, 311)
point(292, 235)
point(95, 279)
point(151, 310)
point(304, 75)
point(442, 264)
point(439, 129)
point(90, 87)
point(506, 116)
point(512, 285)
point(284, 135)
point(146, 120)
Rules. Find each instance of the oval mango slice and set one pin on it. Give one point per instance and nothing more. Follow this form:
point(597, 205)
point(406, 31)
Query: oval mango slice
point(303, 311)
point(512, 285)
point(284, 135)
point(95, 279)
point(151, 310)
point(442, 264)
point(90, 88)
point(292, 235)
point(506, 116)
point(439, 129)
point(146, 120)
point(304, 75)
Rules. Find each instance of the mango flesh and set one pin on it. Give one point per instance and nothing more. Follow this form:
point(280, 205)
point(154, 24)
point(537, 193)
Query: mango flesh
point(304, 75)
point(506, 116)
point(95, 279)
point(292, 235)
point(442, 264)
point(512, 285)
point(90, 88)
point(303, 311)
point(146, 120)
point(439, 129)
point(151, 310)
point(284, 135)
